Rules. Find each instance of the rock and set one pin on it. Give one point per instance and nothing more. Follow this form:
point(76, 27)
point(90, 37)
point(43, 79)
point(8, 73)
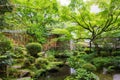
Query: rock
point(72, 71)
point(24, 73)
point(104, 70)
point(17, 66)
point(116, 77)
point(25, 78)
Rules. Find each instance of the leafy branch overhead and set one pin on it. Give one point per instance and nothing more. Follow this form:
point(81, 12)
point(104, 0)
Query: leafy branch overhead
point(107, 19)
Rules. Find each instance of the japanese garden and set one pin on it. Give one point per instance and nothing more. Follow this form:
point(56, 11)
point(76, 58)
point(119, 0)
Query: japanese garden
point(59, 39)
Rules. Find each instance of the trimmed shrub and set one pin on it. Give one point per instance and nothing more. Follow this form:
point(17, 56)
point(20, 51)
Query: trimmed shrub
point(41, 63)
point(19, 52)
point(33, 49)
point(5, 46)
point(89, 67)
point(82, 74)
point(101, 62)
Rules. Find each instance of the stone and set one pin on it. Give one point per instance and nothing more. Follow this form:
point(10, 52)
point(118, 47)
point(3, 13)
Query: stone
point(116, 77)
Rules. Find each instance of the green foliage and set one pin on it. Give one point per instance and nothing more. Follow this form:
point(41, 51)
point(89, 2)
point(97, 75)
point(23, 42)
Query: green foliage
point(5, 51)
point(93, 24)
point(6, 59)
point(82, 74)
point(110, 69)
point(28, 62)
point(101, 62)
point(37, 32)
point(41, 63)
point(33, 48)
point(104, 53)
point(13, 72)
point(19, 52)
point(111, 63)
point(51, 52)
point(89, 67)
point(87, 50)
point(76, 62)
point(5, 46)
point(38, 74)
point(34, 17)
point(85, 75)
point(80, 61)
point(89, 57)
point(65, 34)
point(116, 53)
point(115, 61)
point(38, 17)
point(5, 6)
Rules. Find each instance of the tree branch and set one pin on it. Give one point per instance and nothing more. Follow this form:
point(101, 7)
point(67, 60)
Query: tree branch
point(116, 18)
point(86, 23)
point(81, 24)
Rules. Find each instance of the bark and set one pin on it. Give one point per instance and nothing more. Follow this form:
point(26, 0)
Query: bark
point(97, 49)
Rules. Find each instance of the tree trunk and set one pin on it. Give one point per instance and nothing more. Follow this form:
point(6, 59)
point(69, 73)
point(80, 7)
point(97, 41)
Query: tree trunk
point(96, 48)
point(90, 43)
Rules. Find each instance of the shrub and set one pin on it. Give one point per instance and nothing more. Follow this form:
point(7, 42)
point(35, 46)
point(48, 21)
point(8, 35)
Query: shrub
point(110, 69)
point(6, 59)
point(89, 67)
point(104, 53)
point(41, 63)
point(101, 62)
point(116, 53)
point(5, 46)
point(19, 52)
point(82, 74)
point(116, 62)
point(88, 57)
point(75, 62)
point(87, 50)
point(33, 49)
point(79, 53)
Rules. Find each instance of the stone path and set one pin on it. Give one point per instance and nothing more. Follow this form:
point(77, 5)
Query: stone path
point(25, 78)
point(116, 77)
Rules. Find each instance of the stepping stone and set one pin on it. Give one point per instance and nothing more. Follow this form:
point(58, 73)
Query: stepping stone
point(116, 77)
point(25, 78)
point(17, 66)
point(24, 72)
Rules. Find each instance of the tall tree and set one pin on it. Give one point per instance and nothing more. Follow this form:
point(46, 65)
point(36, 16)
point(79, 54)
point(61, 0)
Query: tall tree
point(34, 16)
point(106, 19)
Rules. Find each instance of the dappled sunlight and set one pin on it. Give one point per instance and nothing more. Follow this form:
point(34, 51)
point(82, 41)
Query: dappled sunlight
point(95, 9)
